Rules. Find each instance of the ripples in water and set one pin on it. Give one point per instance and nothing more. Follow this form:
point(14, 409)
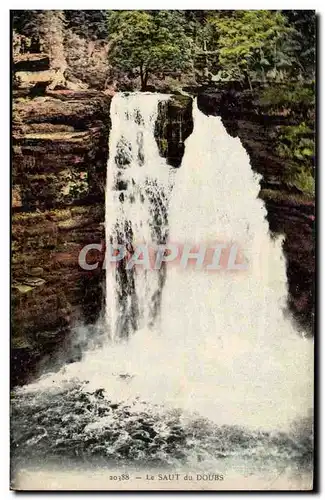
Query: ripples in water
point(75, 423)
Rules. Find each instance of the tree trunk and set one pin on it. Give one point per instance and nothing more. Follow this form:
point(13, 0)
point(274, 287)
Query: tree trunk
point(142, 77)
point(145, 81)
point(206, 63)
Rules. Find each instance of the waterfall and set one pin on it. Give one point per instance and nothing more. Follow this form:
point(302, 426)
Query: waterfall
point(197, 365)
point(223, 341)
point(138, 186)
point(242, 358)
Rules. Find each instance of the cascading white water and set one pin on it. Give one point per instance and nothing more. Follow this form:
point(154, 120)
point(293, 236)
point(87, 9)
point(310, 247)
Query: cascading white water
point(223, 347)
point(138, 185)
point(241, 359)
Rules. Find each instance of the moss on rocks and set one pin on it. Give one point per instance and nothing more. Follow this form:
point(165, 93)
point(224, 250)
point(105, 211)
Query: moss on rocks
point(173, 125)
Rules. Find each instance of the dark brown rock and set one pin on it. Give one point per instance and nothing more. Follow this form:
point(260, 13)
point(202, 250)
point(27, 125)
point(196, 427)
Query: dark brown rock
point(173, 125)
point(31, 62)
point(60, 149)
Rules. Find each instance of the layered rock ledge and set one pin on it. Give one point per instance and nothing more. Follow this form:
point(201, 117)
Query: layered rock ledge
point(59, 161)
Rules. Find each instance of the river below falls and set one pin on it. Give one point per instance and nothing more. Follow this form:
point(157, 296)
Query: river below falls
point(80, 430)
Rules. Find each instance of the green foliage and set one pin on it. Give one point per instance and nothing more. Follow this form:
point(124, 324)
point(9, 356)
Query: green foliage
point(205, 53)
point(88, 24)
point(164, 146)
point(304, 180)
point(283, 196)
point(238, 45)
point(147, 42)
point(296, 142)
point(304, 23)
point(289, 96)
point(253, 44)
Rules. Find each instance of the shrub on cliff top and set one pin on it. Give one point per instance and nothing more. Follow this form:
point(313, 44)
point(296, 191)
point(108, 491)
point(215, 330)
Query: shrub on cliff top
point(297, 97)
point(297, 144)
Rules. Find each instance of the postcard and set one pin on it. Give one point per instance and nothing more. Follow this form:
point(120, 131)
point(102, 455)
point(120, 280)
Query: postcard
point(163, 250)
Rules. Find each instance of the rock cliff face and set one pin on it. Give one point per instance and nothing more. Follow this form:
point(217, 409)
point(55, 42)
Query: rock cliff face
point(289, 211)
point(174, 124)
point(59, 156)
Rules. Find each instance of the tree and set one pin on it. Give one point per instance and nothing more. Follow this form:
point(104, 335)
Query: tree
point(148, 42)
point(205, 56)
point(253, 43)
point(304, 23)
point(88, 24)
